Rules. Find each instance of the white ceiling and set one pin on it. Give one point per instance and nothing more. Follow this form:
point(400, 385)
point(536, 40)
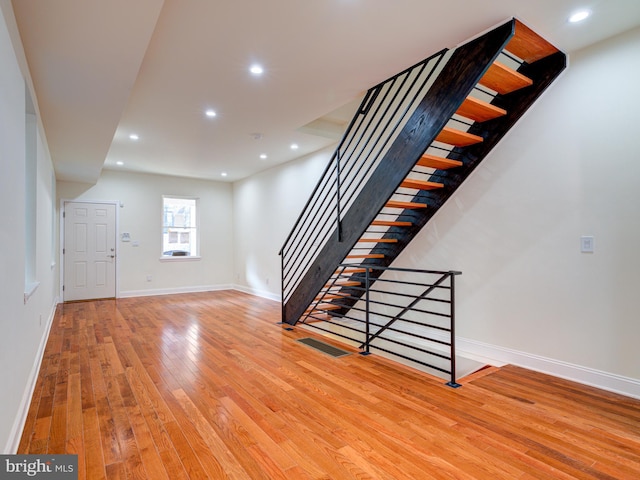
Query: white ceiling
point(105, 69)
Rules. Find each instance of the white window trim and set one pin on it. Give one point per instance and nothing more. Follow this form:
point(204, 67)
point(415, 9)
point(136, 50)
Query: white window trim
point(178, 258)
point(190, 258)
point(29, 290)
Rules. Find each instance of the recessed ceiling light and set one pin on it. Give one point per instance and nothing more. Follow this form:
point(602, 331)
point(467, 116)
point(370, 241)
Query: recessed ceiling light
point(263, 156)
point(210, 113)
point(256, 69)
point(224, 174)
point(294, 146)
point(134, 136)
point(579, 16)
point(119, 163)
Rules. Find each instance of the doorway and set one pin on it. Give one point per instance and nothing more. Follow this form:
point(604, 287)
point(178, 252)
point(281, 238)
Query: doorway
point(89, 251)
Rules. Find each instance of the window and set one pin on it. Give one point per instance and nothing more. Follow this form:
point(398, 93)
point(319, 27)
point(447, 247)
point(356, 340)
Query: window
point(179, 226)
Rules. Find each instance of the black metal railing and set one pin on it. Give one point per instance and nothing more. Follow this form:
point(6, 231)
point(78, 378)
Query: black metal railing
point(383, 112)
point(407, 313)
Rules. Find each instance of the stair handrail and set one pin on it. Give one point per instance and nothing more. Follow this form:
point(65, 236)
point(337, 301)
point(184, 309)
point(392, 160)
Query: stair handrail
point(356, 154)
point(324, 174)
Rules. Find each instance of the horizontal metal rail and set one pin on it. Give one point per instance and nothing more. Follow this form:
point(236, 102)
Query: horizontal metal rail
point(408, 313)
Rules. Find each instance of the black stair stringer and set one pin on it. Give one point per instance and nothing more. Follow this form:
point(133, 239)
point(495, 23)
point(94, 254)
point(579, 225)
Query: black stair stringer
point(459, 76)
point(543, 73)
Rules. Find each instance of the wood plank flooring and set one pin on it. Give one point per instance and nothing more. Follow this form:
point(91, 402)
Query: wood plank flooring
point(207, 386)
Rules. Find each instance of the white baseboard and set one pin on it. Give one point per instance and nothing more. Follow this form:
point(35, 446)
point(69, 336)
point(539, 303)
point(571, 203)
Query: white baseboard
point(172, 291)
point(497, 356)
point(257, 293)
point(15, 435)
point(196, 289)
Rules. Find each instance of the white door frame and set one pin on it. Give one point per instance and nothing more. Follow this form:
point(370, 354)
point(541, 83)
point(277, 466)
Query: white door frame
point(61, 241)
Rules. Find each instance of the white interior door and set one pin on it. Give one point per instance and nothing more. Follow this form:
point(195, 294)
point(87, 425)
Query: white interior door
point(89, 251)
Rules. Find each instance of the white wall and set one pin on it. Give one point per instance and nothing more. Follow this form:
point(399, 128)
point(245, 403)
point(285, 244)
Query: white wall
point(140, 215)
point(527, 295)
point(266, 206)
point(23, 325)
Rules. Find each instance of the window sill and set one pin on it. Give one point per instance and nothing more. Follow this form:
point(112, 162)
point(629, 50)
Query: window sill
point(179, 258)
point(29, 290)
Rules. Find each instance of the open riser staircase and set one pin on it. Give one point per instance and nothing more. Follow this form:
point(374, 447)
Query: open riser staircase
point(412, 143)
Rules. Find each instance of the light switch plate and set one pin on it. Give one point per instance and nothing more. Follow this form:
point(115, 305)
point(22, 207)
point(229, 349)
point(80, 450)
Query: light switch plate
point(587, 244)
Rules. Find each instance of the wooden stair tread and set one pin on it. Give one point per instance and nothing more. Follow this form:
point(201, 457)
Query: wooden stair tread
point(378, 240)
point(317, 317)
point(479, 111)
point(405, 205)
point(343, 283)
point(458, 138)
point(528, 45)
point(433, 161)
point(503, 79)
point(420, 184)
point(324, 306)
point(329, 296)
point(366, 255)
point(387, 223)
point(351, 271)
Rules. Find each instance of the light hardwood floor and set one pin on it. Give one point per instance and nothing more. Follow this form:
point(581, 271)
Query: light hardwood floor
point(209, 386)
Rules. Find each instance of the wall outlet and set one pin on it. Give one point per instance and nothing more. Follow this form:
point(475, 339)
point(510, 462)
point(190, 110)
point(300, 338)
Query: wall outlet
point(587, 244)
point(149, 278)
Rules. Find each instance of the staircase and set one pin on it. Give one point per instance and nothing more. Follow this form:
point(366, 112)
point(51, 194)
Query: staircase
point(412, 143)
